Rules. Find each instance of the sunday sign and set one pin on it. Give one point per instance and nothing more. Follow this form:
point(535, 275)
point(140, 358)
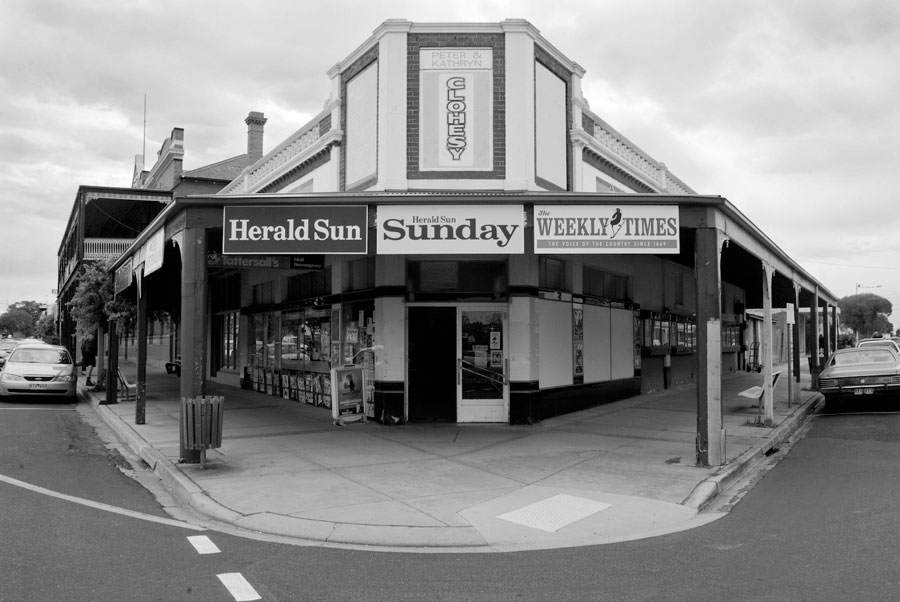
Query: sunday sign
point(450, 229)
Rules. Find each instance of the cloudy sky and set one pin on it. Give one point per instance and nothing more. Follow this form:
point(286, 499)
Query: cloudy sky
point(788, 108)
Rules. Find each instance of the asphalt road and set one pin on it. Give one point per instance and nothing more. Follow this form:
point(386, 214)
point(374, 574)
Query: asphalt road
point(819, 523)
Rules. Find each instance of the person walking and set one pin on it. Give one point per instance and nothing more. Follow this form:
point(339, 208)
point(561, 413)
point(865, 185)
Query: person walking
point(89, 357)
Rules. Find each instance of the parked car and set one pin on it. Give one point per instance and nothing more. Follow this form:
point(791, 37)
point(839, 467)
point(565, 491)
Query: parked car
point(38, 369)
point(879, 343)
point(6, 347)
point(859, 373)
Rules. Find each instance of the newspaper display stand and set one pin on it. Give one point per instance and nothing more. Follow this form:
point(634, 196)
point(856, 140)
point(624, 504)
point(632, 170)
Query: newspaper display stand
point(348, 394)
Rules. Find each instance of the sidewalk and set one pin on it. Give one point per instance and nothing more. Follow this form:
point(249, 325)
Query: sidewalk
point(620, 471)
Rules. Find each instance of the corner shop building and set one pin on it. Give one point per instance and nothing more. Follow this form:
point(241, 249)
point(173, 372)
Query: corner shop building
point(461, 225)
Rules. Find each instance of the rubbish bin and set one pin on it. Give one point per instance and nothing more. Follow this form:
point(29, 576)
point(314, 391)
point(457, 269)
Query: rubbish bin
point(202, 422)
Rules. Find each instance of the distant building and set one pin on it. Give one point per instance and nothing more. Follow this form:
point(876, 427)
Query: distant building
point(104, 221)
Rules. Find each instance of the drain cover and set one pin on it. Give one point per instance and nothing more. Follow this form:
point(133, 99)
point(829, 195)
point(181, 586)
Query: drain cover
point(554, 513)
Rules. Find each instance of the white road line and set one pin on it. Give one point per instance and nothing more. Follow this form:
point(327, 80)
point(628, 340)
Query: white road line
point(238, 587)
point(203, 544)
point(100, 505)
point(554, 513)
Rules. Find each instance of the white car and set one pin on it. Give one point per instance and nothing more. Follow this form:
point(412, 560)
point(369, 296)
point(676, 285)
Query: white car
point(879, 343)
point(38, 369)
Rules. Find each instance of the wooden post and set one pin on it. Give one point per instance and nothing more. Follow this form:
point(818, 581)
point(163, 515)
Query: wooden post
point(795, 397)
point(112, 363)
point(768, 399)
point(140, 402)
point(707, 264)
point(193, 324)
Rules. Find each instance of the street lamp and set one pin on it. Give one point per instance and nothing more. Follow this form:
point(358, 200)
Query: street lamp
point(859, 286)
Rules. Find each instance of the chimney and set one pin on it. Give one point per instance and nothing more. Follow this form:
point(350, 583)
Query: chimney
point(255, 122)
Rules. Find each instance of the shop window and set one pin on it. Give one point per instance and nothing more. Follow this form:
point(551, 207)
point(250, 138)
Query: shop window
point(225, 293)
point(600, 283)
point(361, 274)
point(552, 274)
point(263, 293)
point(314, 283)
point(304, 350)
point(731, 336)
point(457, 279)
point(225, 336)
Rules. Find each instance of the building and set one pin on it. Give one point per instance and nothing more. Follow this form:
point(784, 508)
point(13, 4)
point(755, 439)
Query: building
point(104, 221)
point(458, 223)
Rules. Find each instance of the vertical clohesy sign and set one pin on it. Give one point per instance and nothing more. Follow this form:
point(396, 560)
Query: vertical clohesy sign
point(450, 229)
point(606, 229)
point(456, 109)
point(295, 229)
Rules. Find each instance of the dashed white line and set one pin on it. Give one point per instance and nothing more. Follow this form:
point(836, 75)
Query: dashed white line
point(203, 544)
point(238, 587)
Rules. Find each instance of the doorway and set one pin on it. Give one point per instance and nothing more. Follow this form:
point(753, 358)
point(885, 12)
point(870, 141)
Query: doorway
point(431, 369)
point(458, 366)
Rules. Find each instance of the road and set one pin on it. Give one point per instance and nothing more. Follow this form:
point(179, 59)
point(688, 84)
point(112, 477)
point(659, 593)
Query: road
point(819, 523)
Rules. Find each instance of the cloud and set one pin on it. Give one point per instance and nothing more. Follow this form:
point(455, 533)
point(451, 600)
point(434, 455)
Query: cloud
point(788, 109)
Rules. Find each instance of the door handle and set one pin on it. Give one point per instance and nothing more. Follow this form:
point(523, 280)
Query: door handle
point(506, 371)
point(458, 371)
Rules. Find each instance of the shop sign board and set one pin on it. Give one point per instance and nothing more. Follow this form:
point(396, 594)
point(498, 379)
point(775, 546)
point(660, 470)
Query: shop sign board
point(450, 229)
point(123, 276)
point(606, 229)
point(295, 229)
point(456, 109)
point(348, 385)
point(152, 251)
point(271, 262)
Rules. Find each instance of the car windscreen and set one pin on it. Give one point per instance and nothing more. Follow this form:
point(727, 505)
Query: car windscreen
point(40, 356)
point(872, 355)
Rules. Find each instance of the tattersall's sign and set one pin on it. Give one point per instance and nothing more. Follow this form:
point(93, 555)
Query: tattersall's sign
point(439, 229)
point(271, 262)
point(295, 229)
point(606, 229)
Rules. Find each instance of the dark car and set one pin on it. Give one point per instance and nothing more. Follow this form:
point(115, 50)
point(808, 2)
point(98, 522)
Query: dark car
point(6, 347)
point(853, 375)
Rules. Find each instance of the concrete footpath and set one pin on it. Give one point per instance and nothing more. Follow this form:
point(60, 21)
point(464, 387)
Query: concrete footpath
point(621, 471)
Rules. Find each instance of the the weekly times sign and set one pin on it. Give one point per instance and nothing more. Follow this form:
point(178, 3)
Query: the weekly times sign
point(606, 229)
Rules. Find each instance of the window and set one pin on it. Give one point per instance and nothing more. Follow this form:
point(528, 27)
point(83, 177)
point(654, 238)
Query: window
point(459, 279)
point(361, 274)
point(599, 283)
point(228, 339)
point(263, 293)
point(553, 274)
point(314, 283)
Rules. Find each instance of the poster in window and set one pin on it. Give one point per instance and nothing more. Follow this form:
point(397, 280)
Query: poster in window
point(496, 341)
point(348, 400)
point(578, 342)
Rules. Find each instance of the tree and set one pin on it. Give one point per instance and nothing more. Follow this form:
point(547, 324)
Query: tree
point(45, 329)
point(866, 313)
point(94, 302)
point(20, 318)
